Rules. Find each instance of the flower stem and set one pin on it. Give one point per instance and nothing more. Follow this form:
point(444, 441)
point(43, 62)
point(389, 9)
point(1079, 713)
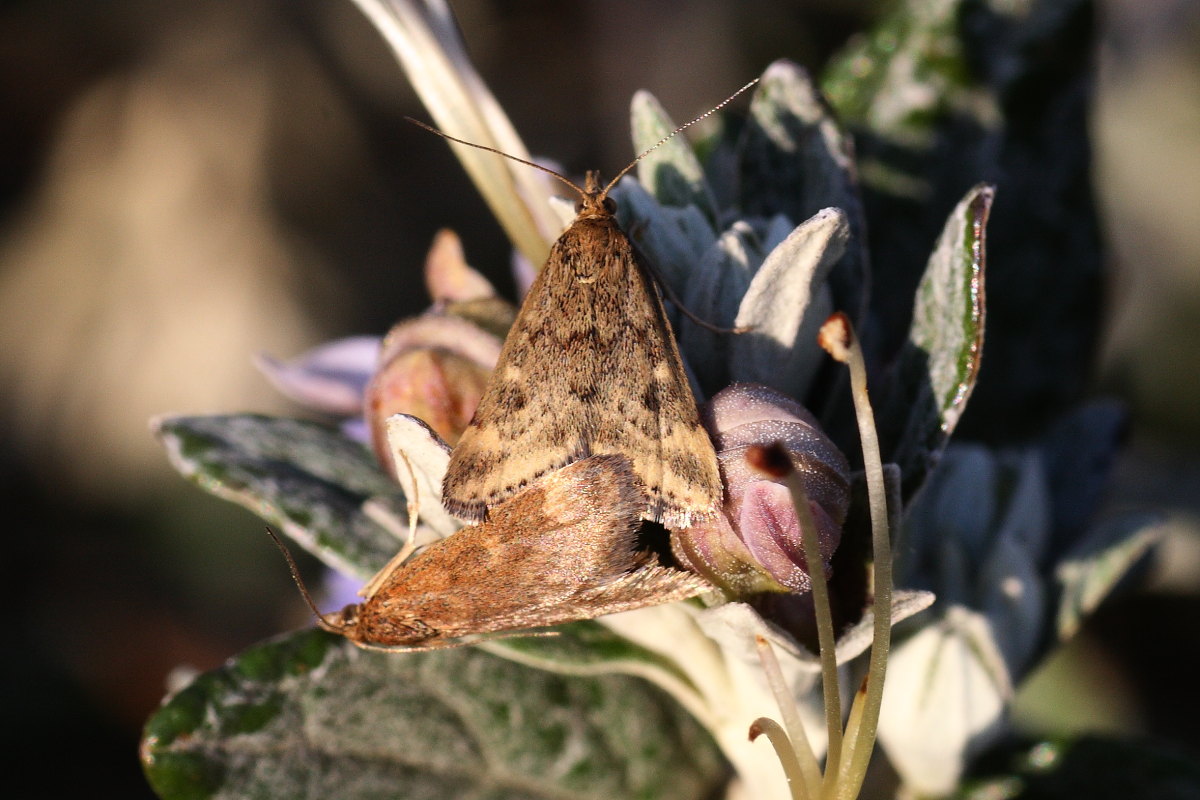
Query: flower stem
point(802, 752)
point(837, 337)
point(837, 775)
point(786, 753)
point(826, 640)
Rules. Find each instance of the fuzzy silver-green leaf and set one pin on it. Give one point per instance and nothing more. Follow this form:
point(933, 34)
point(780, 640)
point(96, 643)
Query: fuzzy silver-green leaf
point(308, 715)
point(940, 362)
point(306, 478)
point(671, 172)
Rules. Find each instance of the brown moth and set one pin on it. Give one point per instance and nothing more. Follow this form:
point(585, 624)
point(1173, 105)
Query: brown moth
point(590, 366)
point(560, 551)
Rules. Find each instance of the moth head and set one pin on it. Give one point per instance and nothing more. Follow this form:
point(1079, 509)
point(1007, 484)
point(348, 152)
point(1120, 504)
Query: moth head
point(376, 625)
point(594, 200)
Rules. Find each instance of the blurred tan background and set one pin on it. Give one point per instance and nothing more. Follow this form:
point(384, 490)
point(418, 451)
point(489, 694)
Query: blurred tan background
point(184, 185)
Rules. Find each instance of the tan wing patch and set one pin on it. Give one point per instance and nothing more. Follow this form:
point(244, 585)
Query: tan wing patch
point(589, 367)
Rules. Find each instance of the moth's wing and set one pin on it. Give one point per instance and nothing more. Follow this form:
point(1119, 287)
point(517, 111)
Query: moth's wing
point(575, 557)
point(573, 530)
point(649, 413)
point(648, 586)
point(589, 366)
point(528, 422)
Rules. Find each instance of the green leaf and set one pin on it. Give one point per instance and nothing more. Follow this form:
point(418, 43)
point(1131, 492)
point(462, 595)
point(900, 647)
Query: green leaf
point(590, 648)
point(1090, 571)
point(938, 366)
point(899, 83)
point(671, 172)
point(306, 478)
point(308, 715)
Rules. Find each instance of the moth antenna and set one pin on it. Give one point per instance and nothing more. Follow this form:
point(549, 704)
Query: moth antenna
point(546, 170)
point(322, 623)
point(671, 135)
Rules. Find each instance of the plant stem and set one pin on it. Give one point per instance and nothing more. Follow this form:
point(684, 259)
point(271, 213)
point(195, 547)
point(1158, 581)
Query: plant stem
point(806, 759)
point(838, 338)
point(826, 640)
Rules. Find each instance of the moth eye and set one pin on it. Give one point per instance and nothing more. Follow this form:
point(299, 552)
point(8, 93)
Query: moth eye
point(578, 206)
point(610, 205)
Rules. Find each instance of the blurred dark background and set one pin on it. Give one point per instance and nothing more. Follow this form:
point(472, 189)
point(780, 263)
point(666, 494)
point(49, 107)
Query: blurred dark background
point(184, 185)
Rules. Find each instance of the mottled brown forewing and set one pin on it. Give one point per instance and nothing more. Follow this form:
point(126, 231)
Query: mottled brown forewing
point(562, 550)
point(589, 367)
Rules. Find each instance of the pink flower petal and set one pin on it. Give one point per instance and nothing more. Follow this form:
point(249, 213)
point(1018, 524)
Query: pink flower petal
point(329, 378)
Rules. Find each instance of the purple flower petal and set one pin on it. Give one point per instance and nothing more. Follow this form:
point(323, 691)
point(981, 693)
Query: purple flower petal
point(356, 428)
point(330, 378)
point(755, 544)
point(771, 530)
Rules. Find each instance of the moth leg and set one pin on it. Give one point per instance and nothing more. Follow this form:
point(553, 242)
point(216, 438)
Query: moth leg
point(386, 519)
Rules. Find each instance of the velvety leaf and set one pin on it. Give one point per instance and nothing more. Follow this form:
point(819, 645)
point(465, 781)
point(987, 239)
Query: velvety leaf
point(939, 364)
point(305, 478)
point(734, 626)
point(940, 96)
point(671, 172)
point(785, 305)
point(948, 529)
point(795, 160)
point(857, 639)
point(949, 681)
point(1009, 588)
point(979, 534)
point(732, 690)
point(309, 715)
point(673, 239)
point(591, 648)
point(1100, 559)
point(717, 283)
point(1080, 449)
